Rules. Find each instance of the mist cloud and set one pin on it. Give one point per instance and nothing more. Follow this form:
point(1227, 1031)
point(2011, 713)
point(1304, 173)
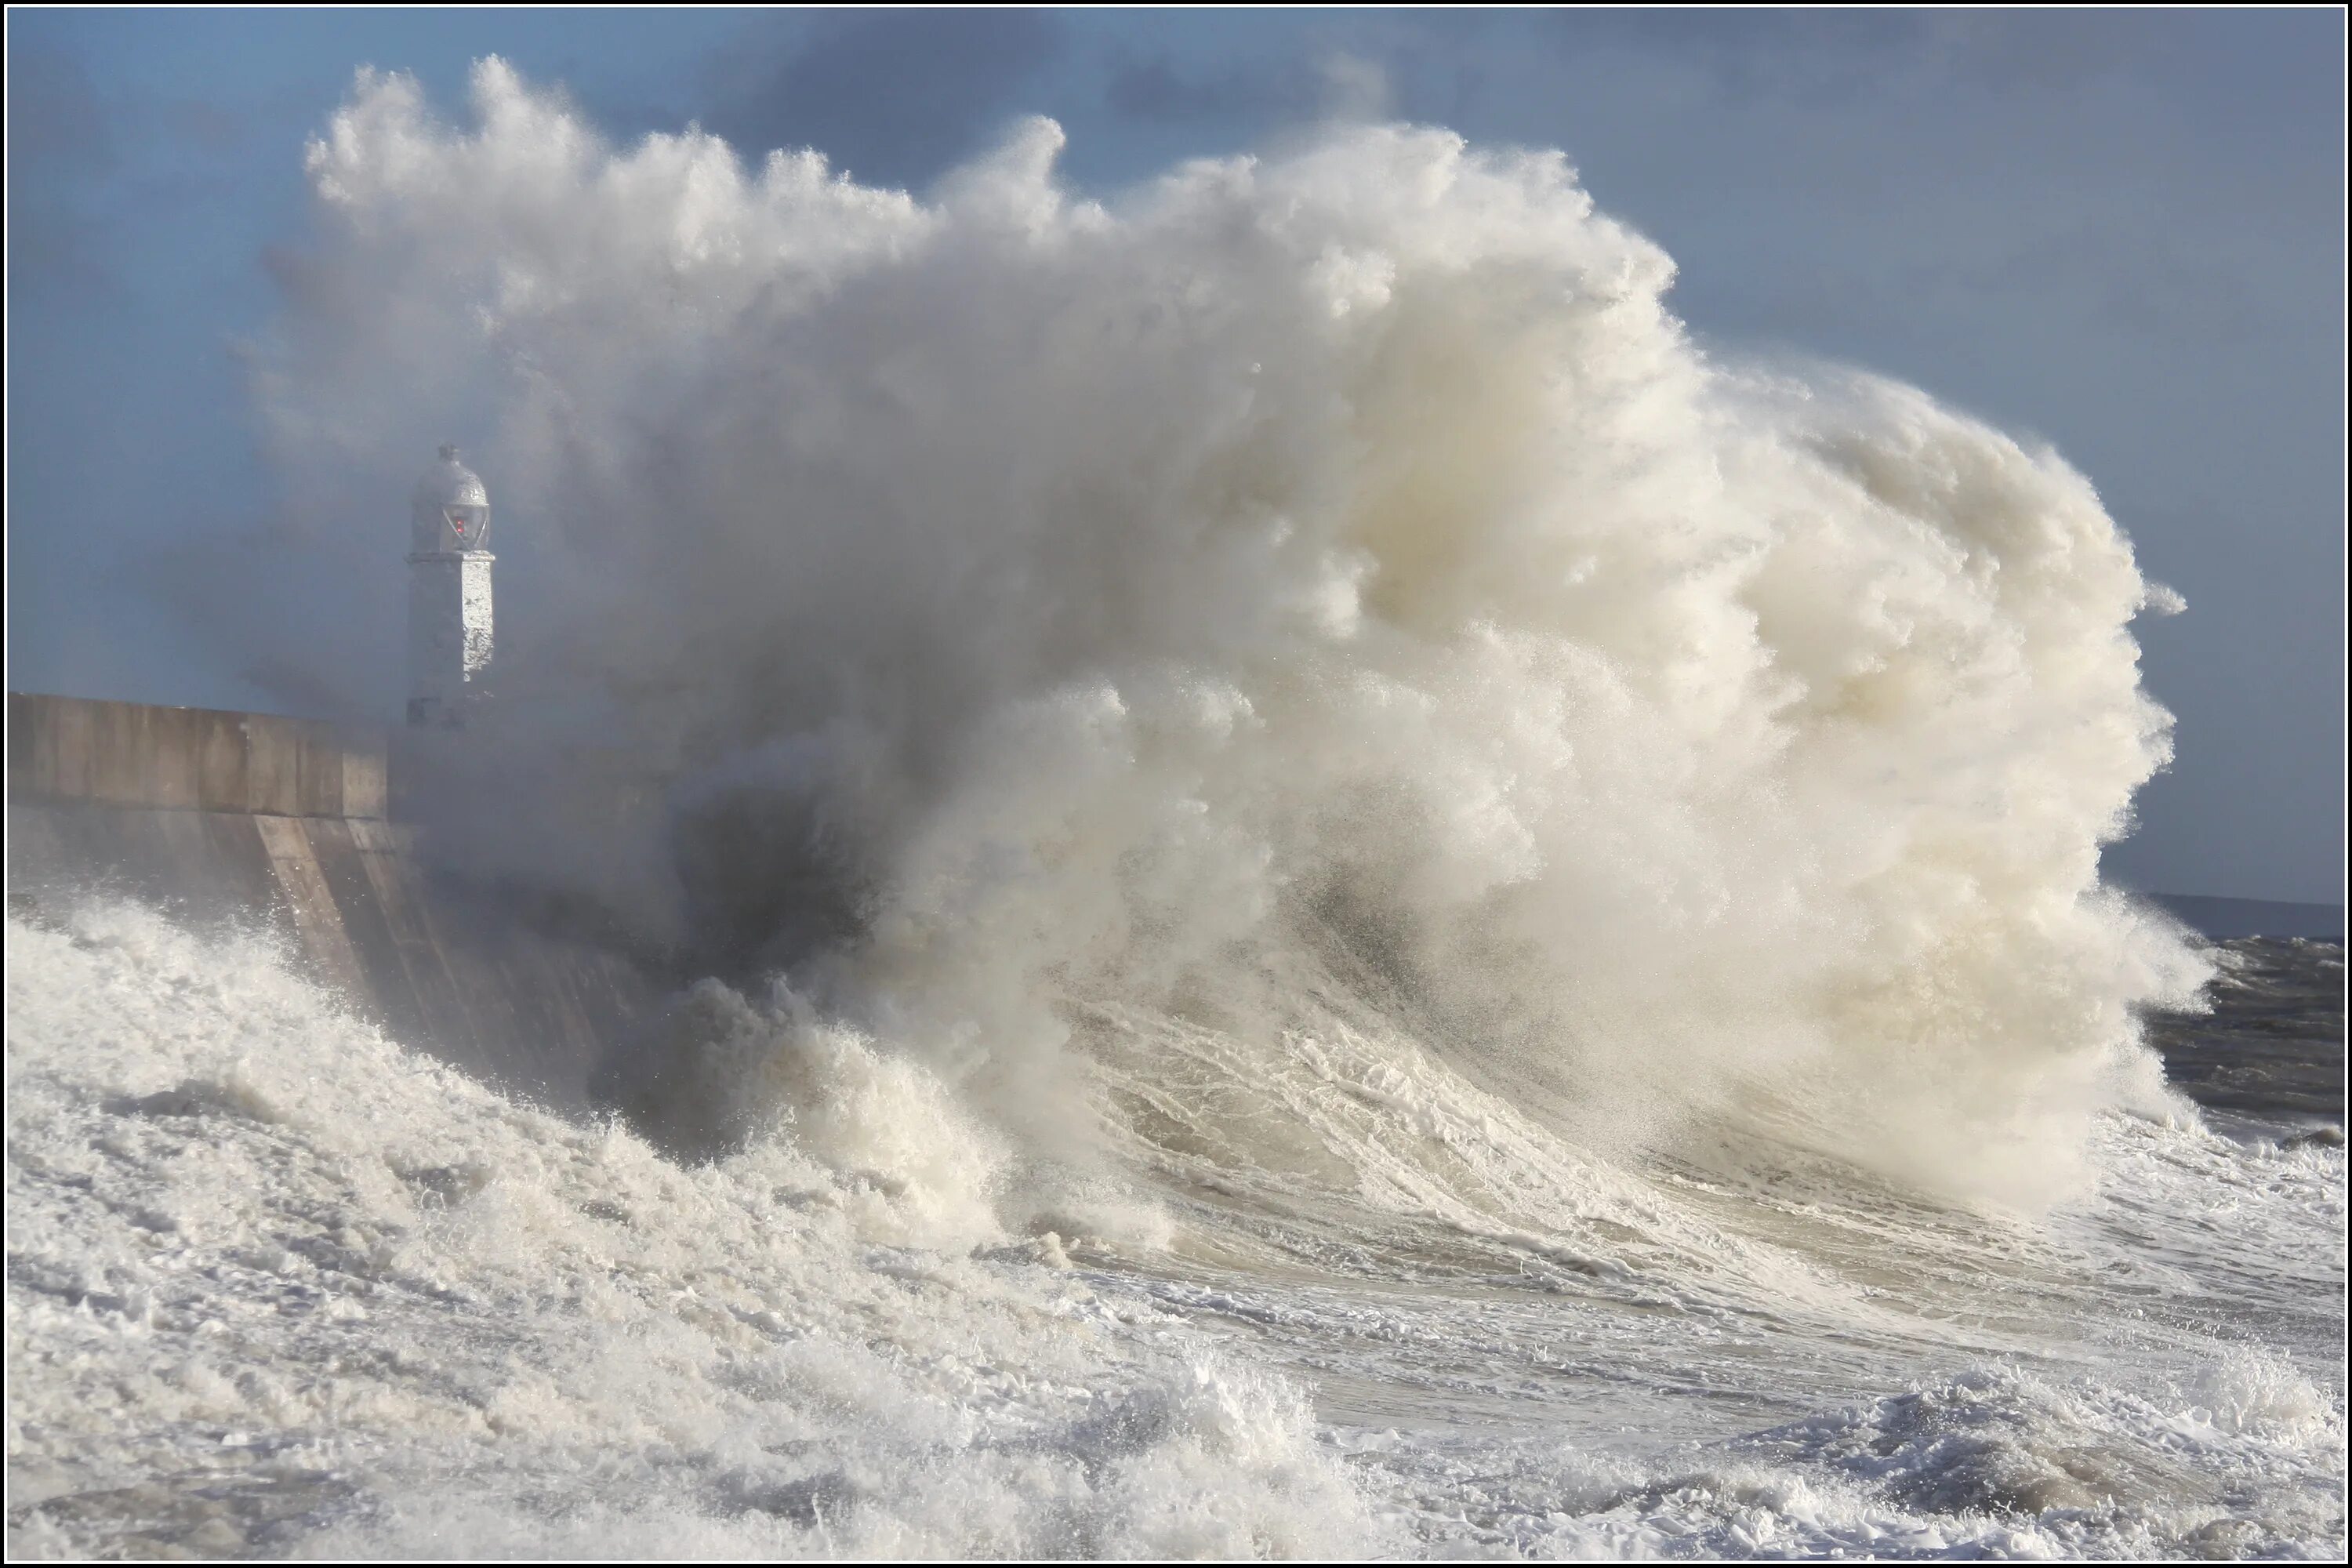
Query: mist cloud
point(1343, 547)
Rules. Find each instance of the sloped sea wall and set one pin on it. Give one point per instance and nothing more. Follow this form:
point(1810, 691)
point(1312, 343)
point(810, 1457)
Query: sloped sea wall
point(255, 818)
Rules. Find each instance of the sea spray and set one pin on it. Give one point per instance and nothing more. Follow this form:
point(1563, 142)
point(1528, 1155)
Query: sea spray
point(1339, 561)
point(1323, 857)
point(277, 1284)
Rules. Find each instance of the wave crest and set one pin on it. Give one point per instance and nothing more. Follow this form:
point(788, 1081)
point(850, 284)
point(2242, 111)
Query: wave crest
point(1071, 600)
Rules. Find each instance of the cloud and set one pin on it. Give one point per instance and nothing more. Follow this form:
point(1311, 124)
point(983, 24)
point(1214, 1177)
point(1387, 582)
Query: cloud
point(55, 118)
point(1153, 89)
point(1355, 87)
point(209, 126)
point(61, 146)
point(1250, 96)
point(894, 98)
point(1824, 57)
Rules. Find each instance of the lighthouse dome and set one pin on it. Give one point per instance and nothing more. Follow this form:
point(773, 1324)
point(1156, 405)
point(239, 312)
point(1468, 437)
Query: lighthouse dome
point(450, 509)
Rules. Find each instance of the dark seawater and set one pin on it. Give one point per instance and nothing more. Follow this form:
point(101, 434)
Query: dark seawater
point(2271, 1049)
point(2222, 919)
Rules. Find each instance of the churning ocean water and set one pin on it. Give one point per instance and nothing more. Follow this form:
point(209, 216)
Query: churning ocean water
point(1349, 899)
point(278, 1286)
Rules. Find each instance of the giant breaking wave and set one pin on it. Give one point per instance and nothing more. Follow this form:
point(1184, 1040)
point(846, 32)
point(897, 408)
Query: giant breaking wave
point(1328, 584)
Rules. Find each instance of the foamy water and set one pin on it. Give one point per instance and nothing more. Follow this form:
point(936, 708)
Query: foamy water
point(278, 1284)
point(1354, 901)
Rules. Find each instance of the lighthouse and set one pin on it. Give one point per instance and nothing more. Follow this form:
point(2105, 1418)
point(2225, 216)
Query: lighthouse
point(448, 592)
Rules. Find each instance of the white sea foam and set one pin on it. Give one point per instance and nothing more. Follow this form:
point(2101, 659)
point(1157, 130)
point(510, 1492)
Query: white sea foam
point(276, 1284)
point(1358, 902)
point(1074, 595)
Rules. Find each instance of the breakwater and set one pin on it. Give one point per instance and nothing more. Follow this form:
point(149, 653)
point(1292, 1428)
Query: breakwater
point(295, 824)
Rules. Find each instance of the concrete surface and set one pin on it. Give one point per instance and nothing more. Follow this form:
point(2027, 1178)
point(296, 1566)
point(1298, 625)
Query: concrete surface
point(257, 820)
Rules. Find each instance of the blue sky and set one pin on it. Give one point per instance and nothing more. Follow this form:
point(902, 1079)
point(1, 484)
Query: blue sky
point(2121, 232)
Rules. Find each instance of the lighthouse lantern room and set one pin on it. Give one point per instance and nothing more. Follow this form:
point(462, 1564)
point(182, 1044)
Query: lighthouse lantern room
point(450, 640)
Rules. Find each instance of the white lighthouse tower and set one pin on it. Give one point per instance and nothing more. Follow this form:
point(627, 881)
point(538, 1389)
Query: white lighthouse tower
point(448, 592)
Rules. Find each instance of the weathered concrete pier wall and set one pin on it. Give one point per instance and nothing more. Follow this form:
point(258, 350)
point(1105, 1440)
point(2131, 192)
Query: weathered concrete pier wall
point(250, 817)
